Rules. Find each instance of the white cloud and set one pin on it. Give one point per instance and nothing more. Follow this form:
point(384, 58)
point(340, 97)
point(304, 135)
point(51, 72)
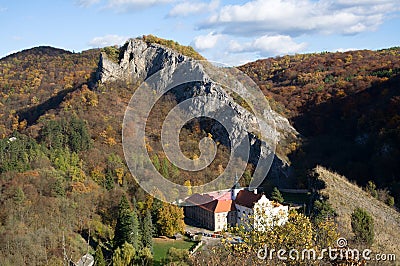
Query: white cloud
point(126, 5)
point(342, 50)
point(268, 45)
point(107, 40)
point(86, 3)
point(192, 7)
point(123, 5)
point(278, 44)
point(294, 17)
point(203, 42)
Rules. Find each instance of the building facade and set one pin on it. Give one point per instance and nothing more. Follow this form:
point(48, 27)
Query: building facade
point(218, 210)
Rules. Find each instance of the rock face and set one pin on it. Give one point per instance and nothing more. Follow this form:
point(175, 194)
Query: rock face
point(140, 60)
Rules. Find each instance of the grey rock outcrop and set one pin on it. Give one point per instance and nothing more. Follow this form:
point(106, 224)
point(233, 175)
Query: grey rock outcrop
point(140, 60)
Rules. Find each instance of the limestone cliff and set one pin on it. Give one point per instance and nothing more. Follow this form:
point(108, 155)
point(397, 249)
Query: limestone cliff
point(139, 60)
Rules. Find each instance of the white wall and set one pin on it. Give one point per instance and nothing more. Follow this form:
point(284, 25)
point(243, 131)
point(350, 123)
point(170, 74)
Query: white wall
point(264, 214)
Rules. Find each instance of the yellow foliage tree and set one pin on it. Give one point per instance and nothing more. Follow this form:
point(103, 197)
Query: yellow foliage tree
point(120, 175)
point(189, 187)
point(170, 219)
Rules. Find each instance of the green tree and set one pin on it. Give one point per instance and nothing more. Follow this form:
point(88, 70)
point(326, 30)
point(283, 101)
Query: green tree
point(155, 208)
point(58, 187)
point(99, 257)
point(276, 195)
point(115, 169)
point(17, 153)
point(72, 133)
point(69, 163)
point(109, 182)
point(362, 225)
point(52, 134)
point(322, 210)
point(124, 255)
point(128, 253)
point(147, 231)
point(135, 234)
point(79, 137)
point(123, 228)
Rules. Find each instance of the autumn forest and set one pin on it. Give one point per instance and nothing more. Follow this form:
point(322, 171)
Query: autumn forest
point(63, 177)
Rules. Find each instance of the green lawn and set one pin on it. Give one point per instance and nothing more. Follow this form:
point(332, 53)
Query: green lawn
point(161, 246)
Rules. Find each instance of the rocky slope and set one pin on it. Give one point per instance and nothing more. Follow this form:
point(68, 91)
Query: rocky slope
point(346, 196)
point(139, 60)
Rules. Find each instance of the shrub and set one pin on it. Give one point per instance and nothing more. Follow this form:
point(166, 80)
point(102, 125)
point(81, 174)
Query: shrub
point(371, 189)
point(276, 195)
point(362, 225)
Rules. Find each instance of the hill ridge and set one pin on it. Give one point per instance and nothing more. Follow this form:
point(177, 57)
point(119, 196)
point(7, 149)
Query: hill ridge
point(345, 196)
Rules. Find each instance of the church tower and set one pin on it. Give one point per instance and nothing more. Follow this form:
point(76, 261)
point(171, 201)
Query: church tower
point(235, 189)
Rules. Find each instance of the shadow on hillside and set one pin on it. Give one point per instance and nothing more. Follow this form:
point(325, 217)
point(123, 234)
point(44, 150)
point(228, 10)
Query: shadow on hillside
point(32, 114)
point(357, 136)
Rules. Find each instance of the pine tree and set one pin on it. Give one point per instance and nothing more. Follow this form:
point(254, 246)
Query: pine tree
point(276, 195)
point(147, 231)
point(99, 257)
point(362, 225)
point(155, 207)
point(135, 234)
point(109, 181)
point(123, 228)
point(322, 210)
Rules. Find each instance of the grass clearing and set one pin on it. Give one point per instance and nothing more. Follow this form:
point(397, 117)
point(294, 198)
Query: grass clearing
point(162, 245)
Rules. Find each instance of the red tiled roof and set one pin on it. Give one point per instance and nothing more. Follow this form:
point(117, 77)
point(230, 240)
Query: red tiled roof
point(208, 202)
point(224, 206)
point(221, 195)
point(198, 199)
point(247, 198)
point(222, 203)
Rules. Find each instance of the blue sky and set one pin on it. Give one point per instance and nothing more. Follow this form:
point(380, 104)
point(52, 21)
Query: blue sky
point(232, 32)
